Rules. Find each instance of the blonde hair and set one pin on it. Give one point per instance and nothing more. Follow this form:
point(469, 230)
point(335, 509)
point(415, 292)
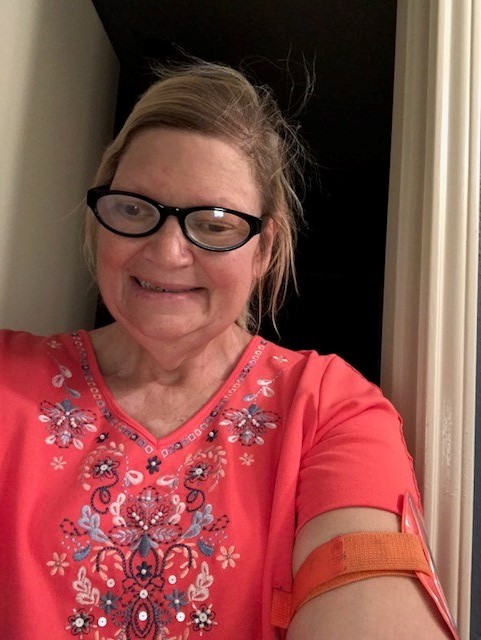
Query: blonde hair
point(219, 101)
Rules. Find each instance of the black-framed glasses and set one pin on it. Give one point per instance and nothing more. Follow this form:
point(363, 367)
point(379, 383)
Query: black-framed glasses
point(135, 216)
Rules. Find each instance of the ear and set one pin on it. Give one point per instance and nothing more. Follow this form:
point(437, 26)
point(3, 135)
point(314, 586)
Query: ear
point(264, 248)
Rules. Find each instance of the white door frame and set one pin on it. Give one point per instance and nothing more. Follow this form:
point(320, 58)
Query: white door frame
point(431, 278)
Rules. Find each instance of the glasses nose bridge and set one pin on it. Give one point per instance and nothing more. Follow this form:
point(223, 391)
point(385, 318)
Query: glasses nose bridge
point(177, 212)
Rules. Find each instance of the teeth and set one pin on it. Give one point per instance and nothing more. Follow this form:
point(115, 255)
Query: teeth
point(147, 285)
point(151, 287)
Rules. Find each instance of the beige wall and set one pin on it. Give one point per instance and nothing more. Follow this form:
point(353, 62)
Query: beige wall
point(58, 79)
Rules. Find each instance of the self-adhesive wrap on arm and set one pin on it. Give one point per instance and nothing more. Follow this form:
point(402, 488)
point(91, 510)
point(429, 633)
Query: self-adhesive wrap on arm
point(350, 558)
point(361, 555)
point(354, 557)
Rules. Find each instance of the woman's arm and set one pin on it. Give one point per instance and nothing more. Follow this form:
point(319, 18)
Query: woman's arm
point(381, 608)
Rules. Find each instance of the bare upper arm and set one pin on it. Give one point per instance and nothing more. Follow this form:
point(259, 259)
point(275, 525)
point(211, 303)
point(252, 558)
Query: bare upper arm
point(387, 607)
point(338, 522)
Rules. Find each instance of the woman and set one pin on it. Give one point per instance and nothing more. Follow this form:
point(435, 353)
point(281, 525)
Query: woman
point(171, 472)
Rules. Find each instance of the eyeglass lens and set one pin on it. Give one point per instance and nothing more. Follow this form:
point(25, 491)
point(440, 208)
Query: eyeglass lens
point(211, 227)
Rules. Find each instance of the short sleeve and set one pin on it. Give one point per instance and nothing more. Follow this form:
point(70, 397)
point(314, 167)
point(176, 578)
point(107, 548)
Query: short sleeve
point(357, 455)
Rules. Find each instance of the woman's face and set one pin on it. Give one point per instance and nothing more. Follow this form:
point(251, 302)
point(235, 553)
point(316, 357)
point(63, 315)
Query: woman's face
point(163, 286)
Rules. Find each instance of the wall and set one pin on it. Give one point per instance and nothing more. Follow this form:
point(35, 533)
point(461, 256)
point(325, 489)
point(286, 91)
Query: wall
point(58, 79)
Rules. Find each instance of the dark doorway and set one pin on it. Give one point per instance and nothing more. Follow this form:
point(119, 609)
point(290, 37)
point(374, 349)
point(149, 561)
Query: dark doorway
point(349, 45)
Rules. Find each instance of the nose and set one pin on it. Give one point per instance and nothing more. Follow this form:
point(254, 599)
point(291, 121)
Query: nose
point(168, 244)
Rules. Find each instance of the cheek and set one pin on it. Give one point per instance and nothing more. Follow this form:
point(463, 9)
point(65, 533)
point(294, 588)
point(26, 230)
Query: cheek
point(238, 274)
point(103, 259)
point(111, 251)
point(112, 256)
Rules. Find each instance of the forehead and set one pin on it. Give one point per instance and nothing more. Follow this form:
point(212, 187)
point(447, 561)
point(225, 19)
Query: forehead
point(185, 168)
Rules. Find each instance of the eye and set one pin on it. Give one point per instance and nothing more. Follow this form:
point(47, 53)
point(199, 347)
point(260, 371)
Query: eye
point(131, 208)
point(217, 228)
point(214, 226)
point(127, 214)
point(128, 209)
point(215, 222)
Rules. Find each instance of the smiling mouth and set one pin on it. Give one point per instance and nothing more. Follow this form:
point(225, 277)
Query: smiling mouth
point(152, 287)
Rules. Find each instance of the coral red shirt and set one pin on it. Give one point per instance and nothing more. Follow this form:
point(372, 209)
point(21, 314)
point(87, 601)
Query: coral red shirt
point(107, 533)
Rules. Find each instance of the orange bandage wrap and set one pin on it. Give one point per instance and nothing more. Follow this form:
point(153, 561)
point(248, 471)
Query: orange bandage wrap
point(349, 558)
point(357, 556)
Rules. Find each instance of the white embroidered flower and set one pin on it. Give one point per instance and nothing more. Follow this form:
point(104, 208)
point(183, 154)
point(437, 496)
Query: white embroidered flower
point(59, 379)
point(54, 344)
point(58, 463)
point(58, 563)
point(247, 459)
point(265, 387)
point(228, 557)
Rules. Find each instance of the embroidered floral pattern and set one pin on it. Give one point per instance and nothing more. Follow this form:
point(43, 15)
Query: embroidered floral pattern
point(79, 622)
point(100, 462)
point(66, 424)
point(188, 438)
point(153, 465)
point(139, 556)
point(176, 600)
point(58, 463)
point(54, 344)
point(144, 571)
point(247, 459)
point(227, 557)
point(105, 468)
point(249, 425)
point(153, 537)
point(203, 618)
point(59, 379)
point(147, 521)
point(58, 564)
point(200, 467)
point(86, 593)
point(108, 602)
point(199, 472)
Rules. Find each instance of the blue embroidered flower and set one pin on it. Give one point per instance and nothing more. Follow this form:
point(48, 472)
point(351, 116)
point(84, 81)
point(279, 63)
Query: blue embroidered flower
point(176, 599)
point(153, 465)
point(108, 602)
point(144, 571)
